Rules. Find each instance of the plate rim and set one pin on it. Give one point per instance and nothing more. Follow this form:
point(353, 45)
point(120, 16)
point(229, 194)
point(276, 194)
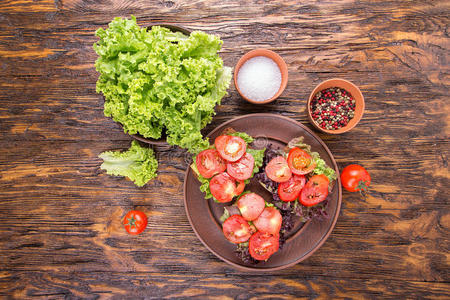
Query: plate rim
point(321, 241)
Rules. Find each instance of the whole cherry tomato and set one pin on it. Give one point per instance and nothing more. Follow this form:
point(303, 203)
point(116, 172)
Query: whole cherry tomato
point(135, 222)
point(355, 178)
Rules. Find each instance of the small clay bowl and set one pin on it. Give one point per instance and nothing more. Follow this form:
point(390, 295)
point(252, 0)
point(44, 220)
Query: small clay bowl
point(349, 87)
point(161, 141)
point(276, 58)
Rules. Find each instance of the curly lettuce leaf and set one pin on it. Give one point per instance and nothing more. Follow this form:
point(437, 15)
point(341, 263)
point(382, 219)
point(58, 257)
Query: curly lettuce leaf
point(322, 168)
point(139, 164)
point(258, 155)
point(248, 139)
point(157, 80)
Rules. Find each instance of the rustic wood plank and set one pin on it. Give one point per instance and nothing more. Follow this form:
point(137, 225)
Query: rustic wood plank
point(92, 285)
point(60, 231)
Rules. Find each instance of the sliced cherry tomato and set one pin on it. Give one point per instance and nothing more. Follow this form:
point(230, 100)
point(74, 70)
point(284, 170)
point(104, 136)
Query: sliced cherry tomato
point(209, 163)
point(278, 170)
point(251, 206)
point(236, 229)
point(315, 190)
point(135, 222)
point(230, 147)
point(289, 190)
point(263, 245)
point(300, 161)
point(355, 178)
point(243, 168)
point(223, 187)
point(240, 187)
point(269, 221)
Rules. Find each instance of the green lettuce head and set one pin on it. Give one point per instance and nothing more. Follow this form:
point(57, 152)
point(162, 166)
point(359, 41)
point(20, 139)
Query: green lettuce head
point(160, 80)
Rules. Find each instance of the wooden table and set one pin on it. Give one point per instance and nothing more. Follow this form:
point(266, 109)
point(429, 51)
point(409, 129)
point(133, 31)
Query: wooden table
point(60, 230)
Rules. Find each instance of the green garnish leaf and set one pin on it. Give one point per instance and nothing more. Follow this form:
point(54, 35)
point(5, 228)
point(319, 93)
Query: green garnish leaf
point(248, 139)
point(225, 215)
point(258, 155)
point(269, 204)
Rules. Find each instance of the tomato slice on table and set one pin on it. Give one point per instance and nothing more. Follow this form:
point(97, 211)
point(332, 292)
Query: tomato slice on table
point(300, 162)
point(289, 190)
point(223, 187)
point(315, 190)
point(135, 222)
point(278, 170)
point(243, 168)
point(269, 221)
point(263, 245)
point(236, 229)
point(251, 206)
point(230, 148)
point(210, 163)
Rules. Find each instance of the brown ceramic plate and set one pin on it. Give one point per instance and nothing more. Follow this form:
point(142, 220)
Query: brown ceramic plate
point(304, 239)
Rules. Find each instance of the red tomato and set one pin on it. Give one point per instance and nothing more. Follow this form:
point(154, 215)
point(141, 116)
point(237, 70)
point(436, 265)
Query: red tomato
point(209, 163)
point(278, 170)
point(240, 187)
point(251, 206)
point(231, 148)
point(289, 190)
point(355, 178)
point(269, 221)
point(300, 161)
point(315, 190)
point(263, 245)
point(223, 187)
point(243, 168)
point(236, 229)
point(135, 222)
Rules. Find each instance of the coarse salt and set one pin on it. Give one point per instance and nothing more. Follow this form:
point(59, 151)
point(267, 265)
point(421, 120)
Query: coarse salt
point(259, 78)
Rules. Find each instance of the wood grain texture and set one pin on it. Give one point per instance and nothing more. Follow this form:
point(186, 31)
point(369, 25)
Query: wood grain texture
point(60, 231)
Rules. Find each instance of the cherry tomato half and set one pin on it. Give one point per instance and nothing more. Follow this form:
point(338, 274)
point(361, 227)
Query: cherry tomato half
point(269, 221)
point(135, 222)
point(210, 163)
point(289, 190)
point(315, 190)
point(243, 168)
point(355, 178)
point(278, 170)
point(251, 206)
point(231, 148)
point(240, 187)
point(223, 187)
point(263, 245)
point(300, 161)
point(236, 229)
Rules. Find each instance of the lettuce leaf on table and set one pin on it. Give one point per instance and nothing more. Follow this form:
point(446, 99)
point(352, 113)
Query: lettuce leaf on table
point(159, 80)
point(139, 164)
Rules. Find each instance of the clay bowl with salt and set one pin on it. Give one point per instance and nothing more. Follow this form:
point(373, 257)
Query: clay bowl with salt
point(260, 76)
